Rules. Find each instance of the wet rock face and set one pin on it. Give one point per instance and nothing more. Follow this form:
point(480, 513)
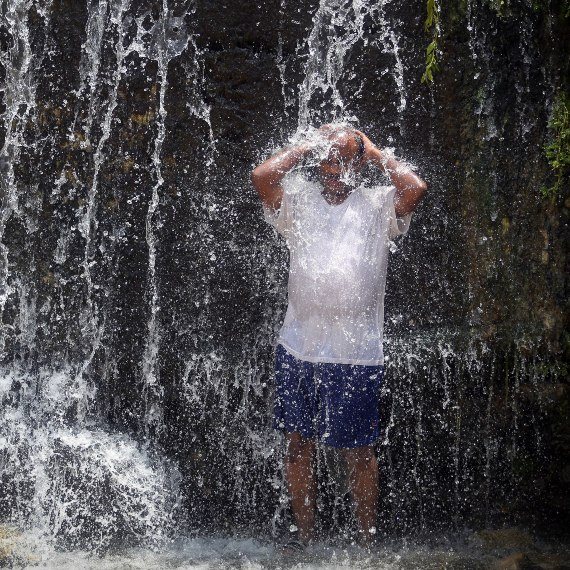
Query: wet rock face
point(134, 248)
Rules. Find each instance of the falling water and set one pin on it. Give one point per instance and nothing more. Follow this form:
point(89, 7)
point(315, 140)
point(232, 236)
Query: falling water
point(67, 475)
point(19, 100)
point(141, 292)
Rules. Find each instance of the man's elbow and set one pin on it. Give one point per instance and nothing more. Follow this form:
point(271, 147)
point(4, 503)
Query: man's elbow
point(418, 193)
point(421, 189)
point(257, 178)
point(410, 199)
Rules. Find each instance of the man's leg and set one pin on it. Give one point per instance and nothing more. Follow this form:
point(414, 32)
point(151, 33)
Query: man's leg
point(301, 482)
point(363, 479)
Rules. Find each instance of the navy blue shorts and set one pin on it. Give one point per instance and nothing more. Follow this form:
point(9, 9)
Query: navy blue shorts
point(336, 403)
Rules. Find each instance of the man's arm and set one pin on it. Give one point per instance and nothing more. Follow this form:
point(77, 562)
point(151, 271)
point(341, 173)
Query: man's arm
point(410, 188)
point(267, 177)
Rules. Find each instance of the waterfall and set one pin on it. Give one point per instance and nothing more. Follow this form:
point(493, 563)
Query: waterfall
point(141, 291)
point(19, 101)
point(68, 475)
point(338, 27)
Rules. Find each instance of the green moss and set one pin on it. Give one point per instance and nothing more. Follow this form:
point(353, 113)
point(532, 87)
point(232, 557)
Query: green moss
point(543, 6)
point(500, 7)
point(431, 25)
point(556, 370)
point(456, 13)
point(557, 151)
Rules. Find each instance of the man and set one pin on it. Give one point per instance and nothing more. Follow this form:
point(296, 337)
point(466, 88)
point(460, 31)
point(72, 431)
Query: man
point(329, 359)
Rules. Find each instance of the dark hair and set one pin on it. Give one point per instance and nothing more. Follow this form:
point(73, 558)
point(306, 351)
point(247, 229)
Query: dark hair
point(312, 171)
point(361, 147)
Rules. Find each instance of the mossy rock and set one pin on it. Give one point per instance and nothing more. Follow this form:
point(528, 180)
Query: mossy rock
point(504, 538)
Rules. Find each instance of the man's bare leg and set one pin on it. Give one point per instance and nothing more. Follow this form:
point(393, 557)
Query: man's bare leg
point(363, 479)
point(301, 482)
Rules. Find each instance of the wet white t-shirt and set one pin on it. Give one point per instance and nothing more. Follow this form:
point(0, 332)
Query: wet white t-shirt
point(337, 270)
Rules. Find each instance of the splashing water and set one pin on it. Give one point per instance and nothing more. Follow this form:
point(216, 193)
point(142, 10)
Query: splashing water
point(140, 295)
point(79, 486)
point(327, 53)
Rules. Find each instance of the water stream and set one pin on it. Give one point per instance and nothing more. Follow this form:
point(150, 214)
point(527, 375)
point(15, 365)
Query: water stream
point(140, 292)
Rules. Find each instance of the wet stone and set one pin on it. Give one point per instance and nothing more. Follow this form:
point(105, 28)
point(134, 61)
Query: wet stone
point(506, 538)
point(518, 561)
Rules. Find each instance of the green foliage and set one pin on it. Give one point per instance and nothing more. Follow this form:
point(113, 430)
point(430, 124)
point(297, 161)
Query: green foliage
point(431, 25)
point(503, 10)
point(558, 150)
point(432, 18)
point(431, 62)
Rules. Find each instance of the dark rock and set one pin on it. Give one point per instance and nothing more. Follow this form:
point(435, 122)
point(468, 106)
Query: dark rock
point(518, 561)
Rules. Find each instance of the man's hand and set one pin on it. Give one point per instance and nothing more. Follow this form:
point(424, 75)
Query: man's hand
point(410, 188)
point(369, 146)
point(343, 142)
point(267, 177)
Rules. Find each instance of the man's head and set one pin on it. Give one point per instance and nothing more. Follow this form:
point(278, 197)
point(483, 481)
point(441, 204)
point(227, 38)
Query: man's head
point(344, 157)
